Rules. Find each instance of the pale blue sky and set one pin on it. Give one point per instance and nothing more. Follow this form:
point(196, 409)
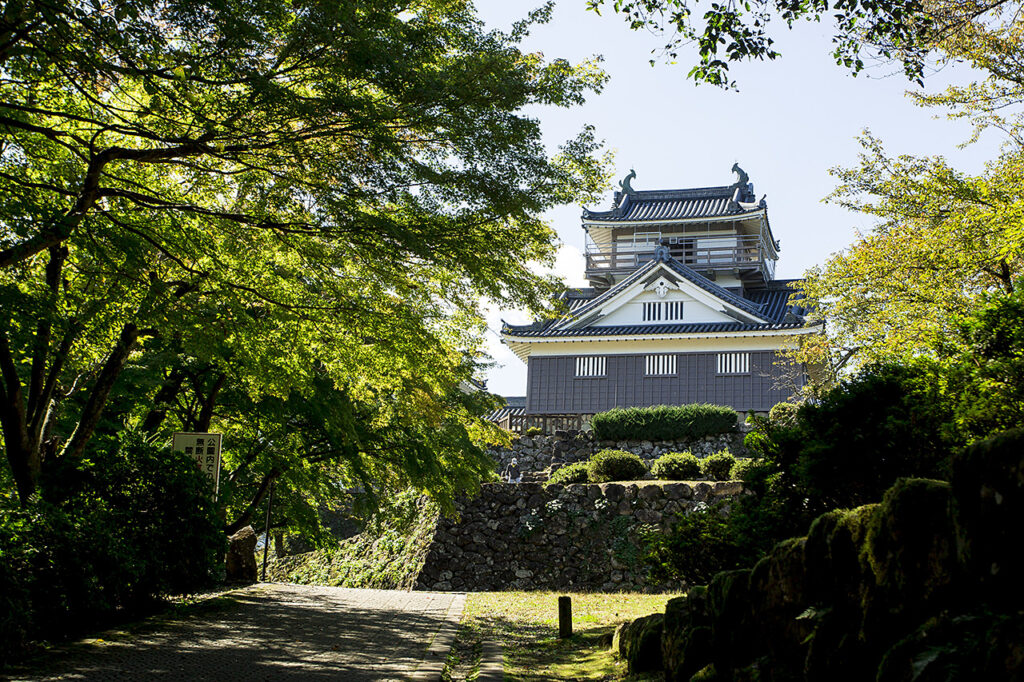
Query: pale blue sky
point(791, 121)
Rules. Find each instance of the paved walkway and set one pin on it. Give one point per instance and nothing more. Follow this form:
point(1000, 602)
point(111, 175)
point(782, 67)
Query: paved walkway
point(280, 632)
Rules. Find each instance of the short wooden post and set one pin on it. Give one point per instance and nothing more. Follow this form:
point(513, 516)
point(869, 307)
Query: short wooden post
point(564, 617)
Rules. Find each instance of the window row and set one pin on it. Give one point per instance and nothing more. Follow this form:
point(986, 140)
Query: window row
point(657, 311)
point(662, 364)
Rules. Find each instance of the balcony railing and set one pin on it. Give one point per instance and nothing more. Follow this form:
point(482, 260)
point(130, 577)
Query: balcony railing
point(740, 252)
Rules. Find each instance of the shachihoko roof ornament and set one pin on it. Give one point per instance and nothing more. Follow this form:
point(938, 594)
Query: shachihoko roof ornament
point(625, 183)
point(742, 177)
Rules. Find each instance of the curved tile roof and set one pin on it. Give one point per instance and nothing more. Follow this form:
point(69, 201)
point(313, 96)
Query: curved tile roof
point(685, 328)
point(678, 204)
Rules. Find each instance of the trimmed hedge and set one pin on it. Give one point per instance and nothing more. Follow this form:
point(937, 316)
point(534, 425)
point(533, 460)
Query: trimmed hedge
point(676, 466)
point(577, 472)
point(615, 465)
point(664, 422)
point(718, 467)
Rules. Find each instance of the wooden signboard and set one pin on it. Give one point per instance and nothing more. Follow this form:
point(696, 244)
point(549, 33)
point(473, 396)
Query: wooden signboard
point(204, 448)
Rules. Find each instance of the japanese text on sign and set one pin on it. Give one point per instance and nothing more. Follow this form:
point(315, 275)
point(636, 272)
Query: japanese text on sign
point(204, 449)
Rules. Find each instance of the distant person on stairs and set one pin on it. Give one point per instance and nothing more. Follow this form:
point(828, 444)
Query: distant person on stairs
point(512, 472)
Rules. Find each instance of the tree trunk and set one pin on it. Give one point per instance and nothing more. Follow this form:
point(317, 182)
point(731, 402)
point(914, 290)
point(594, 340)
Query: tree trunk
point(206, 413)
point(162, 400)
point(101, 390)
point(22, 452)
point(246, 517)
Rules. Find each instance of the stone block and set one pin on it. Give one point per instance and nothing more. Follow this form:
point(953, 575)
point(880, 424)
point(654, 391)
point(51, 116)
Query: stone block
point(613, 491)
point(651, 492)
point(240, 562)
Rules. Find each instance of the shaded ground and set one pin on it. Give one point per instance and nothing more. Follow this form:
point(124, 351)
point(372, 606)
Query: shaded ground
point(526, 625)
point(274, 631)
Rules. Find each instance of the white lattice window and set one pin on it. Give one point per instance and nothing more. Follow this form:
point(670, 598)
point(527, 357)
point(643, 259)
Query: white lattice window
point(652, 312)
point(591, 366)
point(734, 363)
point(673, 310)
point(660, 365)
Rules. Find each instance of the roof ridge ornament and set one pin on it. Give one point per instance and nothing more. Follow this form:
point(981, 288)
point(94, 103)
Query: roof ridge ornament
point(625, 183)
point(743, 178)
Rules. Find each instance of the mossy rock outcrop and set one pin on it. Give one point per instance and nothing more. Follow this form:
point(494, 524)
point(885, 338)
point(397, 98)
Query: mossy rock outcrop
point(925, 586)
point(686, 642)
point(909, 550)
point(988, 489)
point(639, 643)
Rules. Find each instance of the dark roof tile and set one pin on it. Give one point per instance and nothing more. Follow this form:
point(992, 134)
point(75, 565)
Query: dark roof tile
point(645, 329)
point(678, 204)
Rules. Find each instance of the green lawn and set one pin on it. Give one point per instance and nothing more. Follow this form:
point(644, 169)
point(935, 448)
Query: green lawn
point(526, 626)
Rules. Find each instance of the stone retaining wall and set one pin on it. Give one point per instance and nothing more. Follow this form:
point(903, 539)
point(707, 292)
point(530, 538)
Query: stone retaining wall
point(538, 453)
point(583, 536)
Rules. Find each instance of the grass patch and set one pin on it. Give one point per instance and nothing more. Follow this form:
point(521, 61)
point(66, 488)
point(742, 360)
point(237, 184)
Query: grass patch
point(525, 624)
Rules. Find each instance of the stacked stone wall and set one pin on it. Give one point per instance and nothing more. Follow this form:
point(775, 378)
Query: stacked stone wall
point(536, 454)
point(583, 536)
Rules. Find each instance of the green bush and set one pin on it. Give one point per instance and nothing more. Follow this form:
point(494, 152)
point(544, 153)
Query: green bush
point(676, 466)
point(663, 422)
point(615, 465)
point(533, 431)
point(718, 467)
point(577, 472)
point(783, 414)
point(742, 466)
point(698, 546)
point(111, 532)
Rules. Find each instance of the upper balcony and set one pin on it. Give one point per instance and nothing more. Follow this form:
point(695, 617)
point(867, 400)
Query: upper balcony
point(740, 254)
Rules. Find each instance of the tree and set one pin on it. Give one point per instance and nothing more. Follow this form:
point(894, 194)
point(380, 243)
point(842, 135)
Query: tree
point(943, 238)
point(907, 31)
point(286, 193)
point(986, 375)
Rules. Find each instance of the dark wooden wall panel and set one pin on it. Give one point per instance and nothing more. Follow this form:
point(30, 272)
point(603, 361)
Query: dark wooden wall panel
point(552, 387)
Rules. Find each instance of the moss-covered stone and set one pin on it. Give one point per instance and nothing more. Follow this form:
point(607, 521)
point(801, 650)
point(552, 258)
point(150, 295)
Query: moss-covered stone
point(731, 611)
point(909, 549)
point(779, 595)
point(988, 506)
point(686, 639)
point(836, 581)
point(832, 555)
point(639, 643)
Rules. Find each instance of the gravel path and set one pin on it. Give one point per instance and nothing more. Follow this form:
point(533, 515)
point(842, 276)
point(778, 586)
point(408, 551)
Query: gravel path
point(275, 632)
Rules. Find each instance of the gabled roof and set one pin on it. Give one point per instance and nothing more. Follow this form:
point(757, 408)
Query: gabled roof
point(769, 304)
point(678, 204)
point(679, 269)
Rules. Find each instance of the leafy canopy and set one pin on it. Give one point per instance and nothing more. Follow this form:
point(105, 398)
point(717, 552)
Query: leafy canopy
point(277, 221)
point(906, 31)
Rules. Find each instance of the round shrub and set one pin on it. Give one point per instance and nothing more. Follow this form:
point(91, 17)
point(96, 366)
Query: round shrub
point(718, 466)
point(676, 466)
point(577, 472)
point(784, 414)
point(616, 465)
point(741, 467)
point(533, 431)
